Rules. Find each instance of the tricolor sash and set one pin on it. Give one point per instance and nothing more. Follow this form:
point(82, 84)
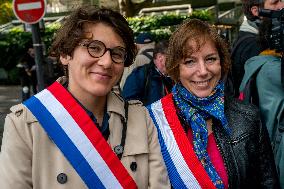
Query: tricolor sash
point(184, 168)
point(78, 138)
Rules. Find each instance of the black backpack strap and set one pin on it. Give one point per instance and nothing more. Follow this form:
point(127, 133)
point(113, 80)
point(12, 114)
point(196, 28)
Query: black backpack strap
point(147, 52)
point(147, 83)
point(238, 42)
point(250, 91)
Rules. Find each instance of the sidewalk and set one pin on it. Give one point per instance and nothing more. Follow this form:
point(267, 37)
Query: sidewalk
point(9, 96)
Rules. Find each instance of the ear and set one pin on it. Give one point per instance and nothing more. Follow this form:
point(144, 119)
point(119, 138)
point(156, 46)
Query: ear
point(254, 10)
point(64, 59)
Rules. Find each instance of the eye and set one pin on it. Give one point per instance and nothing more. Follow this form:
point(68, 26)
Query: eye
point(96, 48)
point(211, 59)
point(189, 62)
point(118, 52)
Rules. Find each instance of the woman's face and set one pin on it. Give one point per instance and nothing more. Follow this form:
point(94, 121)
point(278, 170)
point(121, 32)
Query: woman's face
point(94, 76)
point(200, 71)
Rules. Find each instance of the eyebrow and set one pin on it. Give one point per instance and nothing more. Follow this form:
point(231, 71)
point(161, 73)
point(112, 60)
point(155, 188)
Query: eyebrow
point(212, 54)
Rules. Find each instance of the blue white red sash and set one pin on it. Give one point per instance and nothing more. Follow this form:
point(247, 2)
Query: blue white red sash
point(184, 168)
point(76, 135)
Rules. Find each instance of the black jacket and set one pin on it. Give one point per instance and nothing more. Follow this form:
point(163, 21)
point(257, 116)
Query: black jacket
point(247, 153)
point(146, 84)
point(245, 47)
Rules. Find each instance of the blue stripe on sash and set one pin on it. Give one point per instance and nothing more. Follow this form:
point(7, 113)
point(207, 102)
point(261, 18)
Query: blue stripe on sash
point(64, 143)
point(174, 176)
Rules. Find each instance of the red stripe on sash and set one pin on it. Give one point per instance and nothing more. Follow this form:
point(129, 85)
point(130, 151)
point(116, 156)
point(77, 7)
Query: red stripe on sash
point(93, 134)
point(184, 145)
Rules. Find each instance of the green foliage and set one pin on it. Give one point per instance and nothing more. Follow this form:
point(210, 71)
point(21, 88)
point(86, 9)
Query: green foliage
point(161, 26)
point(14, 43)
point(48, 34)
point(6, 12)
point(12, 47)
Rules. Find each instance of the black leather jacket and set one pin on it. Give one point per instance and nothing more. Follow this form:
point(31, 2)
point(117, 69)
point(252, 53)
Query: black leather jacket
point(247, 153)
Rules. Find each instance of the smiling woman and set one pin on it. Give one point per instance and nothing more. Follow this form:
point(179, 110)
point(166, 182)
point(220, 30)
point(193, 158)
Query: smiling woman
point(210, 139)
point(78, 133)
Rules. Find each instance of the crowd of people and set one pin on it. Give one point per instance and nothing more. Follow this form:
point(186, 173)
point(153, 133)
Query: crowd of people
point(132, 112)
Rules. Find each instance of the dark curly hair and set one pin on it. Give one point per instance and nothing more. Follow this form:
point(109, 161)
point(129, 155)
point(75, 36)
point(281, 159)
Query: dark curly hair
point(72, 31)
point(199, 32)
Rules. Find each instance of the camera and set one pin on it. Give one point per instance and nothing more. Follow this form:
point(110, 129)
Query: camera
point(276, 39)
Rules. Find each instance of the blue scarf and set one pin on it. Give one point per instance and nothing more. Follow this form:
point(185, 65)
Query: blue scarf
point(195, 111)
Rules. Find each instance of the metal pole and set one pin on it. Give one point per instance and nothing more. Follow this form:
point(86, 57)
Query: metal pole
point(38, 55)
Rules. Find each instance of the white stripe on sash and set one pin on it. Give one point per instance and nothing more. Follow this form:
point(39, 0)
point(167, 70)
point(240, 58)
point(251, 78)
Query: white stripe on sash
point(172, 147)
point(72, 129)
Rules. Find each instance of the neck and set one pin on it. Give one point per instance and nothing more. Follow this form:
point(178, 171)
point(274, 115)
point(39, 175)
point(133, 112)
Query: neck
point(95, 104)
point(209, 126)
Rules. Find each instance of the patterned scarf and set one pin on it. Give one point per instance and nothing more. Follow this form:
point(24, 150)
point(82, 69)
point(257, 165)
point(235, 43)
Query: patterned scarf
point(195, 111)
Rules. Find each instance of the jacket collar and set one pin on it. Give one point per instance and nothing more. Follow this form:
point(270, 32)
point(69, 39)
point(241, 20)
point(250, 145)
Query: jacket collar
point(249, 26)
point(115, 104)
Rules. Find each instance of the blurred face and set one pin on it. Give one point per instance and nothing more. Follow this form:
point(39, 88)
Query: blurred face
point(273, 4)
point(31, 51)
point(201, 71)
point(89, 76)
point(160, 62)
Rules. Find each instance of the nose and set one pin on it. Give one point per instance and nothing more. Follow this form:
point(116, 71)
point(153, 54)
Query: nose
point(202, 69)
point(105, 60)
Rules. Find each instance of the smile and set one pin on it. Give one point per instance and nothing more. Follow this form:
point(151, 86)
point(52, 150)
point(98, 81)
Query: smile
point(102, 76)
point(202, 83)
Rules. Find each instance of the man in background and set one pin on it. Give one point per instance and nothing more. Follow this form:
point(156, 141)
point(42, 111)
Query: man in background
point(246, 45)
point(145, 46)
point(149, 83)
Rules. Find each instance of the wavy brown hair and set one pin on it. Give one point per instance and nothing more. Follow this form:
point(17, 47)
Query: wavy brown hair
point(72, 31)
point(199, 32)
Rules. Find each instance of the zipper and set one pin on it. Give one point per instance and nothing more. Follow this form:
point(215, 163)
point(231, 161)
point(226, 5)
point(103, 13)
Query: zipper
point(222, 154)
point(240, 138)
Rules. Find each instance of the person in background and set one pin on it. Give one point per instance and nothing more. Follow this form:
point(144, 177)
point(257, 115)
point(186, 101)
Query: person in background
point(209, 139)
point(149, 83)
point(145, 46)
point(52, 70)
point(77, 133)
point(27, 72)
point(32, 71)
point(263, 87)
point(246, 45)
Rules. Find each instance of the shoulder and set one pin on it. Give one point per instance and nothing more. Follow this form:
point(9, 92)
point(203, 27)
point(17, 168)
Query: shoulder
point(139, 69)
point(264, 61)
point(246, 40)
point(21, 113)
point(243, 119)
point(240, 110)
point(116, 104)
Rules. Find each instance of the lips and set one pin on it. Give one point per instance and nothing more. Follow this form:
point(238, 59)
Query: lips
point(101, 75)
point(204, 83)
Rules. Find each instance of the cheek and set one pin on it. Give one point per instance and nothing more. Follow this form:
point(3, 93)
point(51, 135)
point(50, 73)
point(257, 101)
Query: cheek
point(118, 71)
point(218, 71)
point(184, 73)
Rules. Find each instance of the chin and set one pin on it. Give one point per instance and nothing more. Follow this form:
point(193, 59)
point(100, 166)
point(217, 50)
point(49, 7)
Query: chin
point(202, 94)
point(100, 91)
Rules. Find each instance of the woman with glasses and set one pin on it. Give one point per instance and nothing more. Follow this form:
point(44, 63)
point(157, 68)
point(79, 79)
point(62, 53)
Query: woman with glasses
point(78, 133)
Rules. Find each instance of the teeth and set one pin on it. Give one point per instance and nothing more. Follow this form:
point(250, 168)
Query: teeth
point(202, 83)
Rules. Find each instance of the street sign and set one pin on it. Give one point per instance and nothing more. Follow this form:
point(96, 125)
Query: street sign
point(29, 11)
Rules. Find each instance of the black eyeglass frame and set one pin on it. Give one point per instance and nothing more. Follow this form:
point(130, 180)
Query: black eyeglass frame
point(88, 43)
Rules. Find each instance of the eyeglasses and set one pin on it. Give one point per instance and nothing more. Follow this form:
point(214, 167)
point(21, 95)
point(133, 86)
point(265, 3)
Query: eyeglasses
point(97, 49)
